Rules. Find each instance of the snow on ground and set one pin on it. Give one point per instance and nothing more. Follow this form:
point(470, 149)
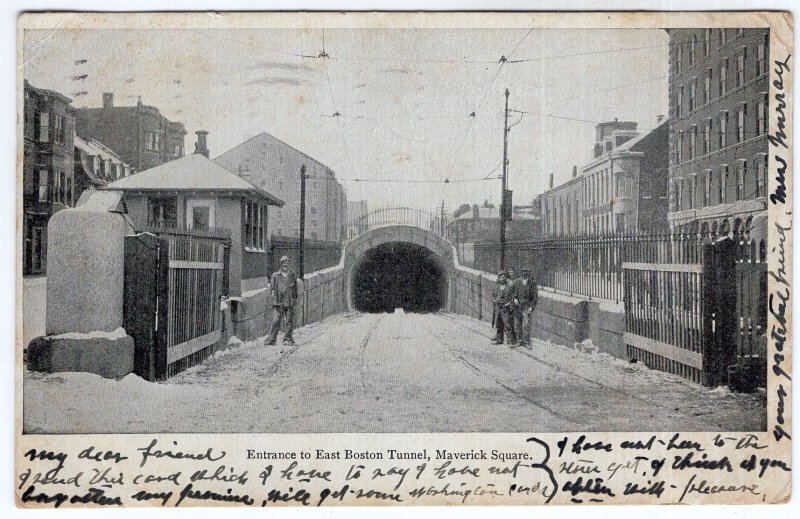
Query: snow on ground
point(390, 373)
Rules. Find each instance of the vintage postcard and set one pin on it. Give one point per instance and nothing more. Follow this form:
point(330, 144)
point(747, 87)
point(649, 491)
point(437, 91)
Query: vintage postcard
point(398, 259)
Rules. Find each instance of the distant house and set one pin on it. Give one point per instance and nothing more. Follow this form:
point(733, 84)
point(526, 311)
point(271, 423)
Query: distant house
point(140, 134)
point(96, 165)
point(482, 224)
point(272, 164)
point(194, 192)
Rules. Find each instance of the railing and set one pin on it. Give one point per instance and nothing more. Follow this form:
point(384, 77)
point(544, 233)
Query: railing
point(194, 286)
point(396, 215)
point(318, 254)
point(586, 266)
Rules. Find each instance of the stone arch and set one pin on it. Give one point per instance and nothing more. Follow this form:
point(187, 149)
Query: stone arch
point(356, 252)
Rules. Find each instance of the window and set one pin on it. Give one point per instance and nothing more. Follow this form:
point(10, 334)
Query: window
point(692, 142)
point(59, 133)
point(722, 37)
point(679, 195)
point(723, 130)
point(761, 178)
point(152, 141)
point(255, 217)
point(723, 78)
point(679, 147)
point(679, 102)
point(740, 62)
point(761, 115)
point(37, 249)
point(679, 59)
point(200, 214)
point(740, 113)
point(707, 42)
point(707, 137)
point(761, 57)
point(723, 185)
point(44, 127)
point(163, 211)
point(692, 191)
point(707, 189)
point(707, 87)
point(741, 174)
point(54, 193)
point(692, 49)
point(693, 94)
point(44, 183)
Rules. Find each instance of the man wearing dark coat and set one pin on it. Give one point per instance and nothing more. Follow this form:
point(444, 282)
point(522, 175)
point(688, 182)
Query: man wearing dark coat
point(525, 298)
point(503, 300)
point(283, 286)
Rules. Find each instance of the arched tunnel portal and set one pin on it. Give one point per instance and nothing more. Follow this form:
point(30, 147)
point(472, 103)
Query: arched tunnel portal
point(398, 267)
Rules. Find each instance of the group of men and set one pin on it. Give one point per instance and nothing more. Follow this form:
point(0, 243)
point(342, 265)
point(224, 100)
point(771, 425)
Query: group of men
point(514, 300)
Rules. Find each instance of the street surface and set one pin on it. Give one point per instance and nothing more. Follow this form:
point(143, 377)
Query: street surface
point(391, 373)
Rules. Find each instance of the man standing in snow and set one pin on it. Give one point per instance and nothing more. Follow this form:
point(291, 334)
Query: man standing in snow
point(525, 299)
point(503, 301)
point(283, 286)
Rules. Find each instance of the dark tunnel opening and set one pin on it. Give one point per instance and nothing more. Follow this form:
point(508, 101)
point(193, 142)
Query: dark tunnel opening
point(399, 275)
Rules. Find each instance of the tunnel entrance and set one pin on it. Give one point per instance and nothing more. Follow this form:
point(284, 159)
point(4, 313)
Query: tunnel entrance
point(399, 275)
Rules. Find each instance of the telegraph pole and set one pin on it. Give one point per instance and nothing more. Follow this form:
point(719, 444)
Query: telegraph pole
point(301, 268)
point(503, 191)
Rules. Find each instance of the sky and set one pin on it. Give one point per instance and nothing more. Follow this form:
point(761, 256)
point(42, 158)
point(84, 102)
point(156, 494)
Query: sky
point(404, 97)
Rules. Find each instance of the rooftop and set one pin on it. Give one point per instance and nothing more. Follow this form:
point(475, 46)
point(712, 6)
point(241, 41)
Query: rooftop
point(192, 173)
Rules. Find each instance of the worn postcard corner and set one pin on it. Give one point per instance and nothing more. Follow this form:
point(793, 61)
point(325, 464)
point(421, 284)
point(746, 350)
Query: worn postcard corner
point(284, 259)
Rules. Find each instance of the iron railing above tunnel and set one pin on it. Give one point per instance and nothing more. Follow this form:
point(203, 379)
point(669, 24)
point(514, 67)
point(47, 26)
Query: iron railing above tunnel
point(397, 215)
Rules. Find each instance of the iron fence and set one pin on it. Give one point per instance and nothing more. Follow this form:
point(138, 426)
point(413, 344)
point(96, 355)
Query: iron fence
point(586, 266)
point(174, 280)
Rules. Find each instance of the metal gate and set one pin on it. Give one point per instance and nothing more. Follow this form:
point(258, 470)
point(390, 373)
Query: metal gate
point(174, 281)
point(700, 312)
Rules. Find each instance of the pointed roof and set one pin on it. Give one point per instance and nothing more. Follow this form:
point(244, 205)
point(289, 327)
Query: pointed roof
point(192, 173)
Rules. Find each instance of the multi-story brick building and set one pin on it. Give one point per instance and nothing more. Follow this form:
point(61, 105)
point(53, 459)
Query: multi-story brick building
point(718, 95)
point(274, 166)
point(48, 169)
point(139, 134)
point(623, 189)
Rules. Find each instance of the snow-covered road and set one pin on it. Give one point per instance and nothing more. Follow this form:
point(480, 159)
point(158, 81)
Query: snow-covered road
point(390, 373)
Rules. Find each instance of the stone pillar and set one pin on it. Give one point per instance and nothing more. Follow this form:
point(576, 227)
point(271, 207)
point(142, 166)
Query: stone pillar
point(85, 281)
point(86, 266)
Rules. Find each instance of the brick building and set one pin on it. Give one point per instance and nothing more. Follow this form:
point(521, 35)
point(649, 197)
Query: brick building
point(274, 166)
point(482, 224)
point(718, 92)
point(623, 189)
point(48, 169)
point(139, 134)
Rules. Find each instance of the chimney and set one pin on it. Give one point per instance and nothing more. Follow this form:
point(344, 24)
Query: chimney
point(108, 99)
point(551, 181)
point(200, 146)
point(659, 119)
point(574, 171)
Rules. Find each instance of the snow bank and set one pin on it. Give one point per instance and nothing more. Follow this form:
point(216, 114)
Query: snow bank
point(116, 335)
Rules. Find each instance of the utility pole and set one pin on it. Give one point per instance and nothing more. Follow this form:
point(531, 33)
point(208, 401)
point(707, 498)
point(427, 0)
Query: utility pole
point(441, 224)
point(503, 191)
point(301, 268)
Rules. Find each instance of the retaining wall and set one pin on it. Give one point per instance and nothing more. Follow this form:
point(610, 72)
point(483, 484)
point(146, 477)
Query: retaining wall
point(558, 318)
